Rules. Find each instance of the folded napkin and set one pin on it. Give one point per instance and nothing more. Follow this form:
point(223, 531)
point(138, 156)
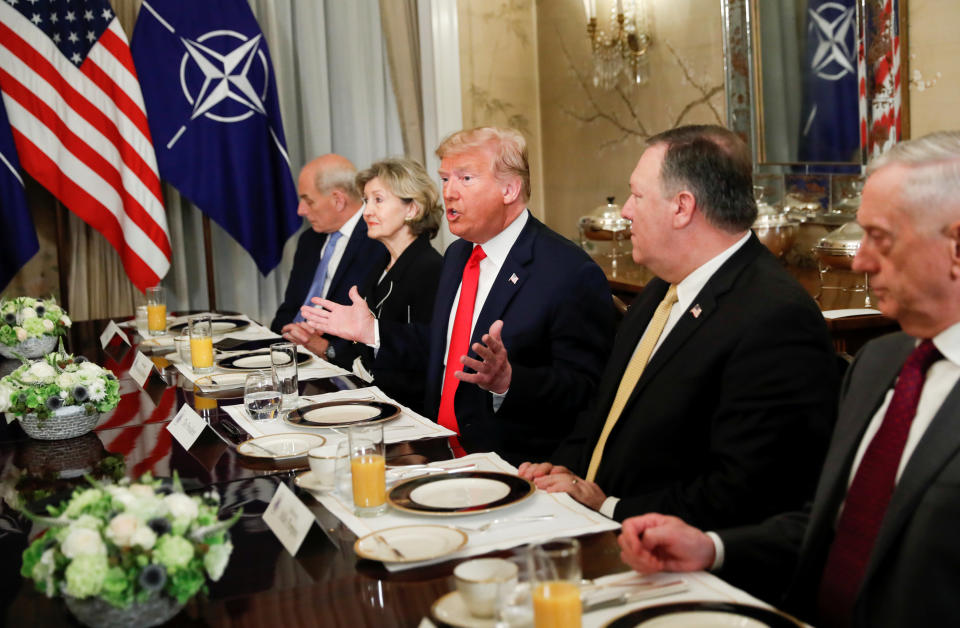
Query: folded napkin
point(408, 426)
point(570, 518)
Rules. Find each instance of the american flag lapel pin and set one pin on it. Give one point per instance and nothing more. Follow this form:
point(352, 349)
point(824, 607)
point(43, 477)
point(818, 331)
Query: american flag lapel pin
point(696, 310)
point(513, 278)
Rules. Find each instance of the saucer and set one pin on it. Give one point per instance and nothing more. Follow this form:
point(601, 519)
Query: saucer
point(451, 609)
point(311, 482)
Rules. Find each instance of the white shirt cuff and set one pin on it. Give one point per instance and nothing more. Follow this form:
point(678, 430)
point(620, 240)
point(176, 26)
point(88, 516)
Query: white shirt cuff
point(498, 399)
point(376, 337)
point(718, 555)
point(608, 506)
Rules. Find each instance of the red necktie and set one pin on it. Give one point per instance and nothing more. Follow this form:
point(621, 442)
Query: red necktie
point(459, 345)
point(870, 493)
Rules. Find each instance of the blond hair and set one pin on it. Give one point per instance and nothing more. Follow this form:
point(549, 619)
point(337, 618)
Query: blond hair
point(408, 181)
point(508, 145)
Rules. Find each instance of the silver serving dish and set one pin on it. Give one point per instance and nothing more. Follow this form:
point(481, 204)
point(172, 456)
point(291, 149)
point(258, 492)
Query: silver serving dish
point(777, 232)
point(837, 249)
point(605, 223)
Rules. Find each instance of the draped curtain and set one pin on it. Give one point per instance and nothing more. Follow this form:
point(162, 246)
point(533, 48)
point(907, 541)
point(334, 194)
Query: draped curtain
point(781, 61)
point(335, 94)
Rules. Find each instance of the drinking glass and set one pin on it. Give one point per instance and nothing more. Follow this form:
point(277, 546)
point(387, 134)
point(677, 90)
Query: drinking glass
point(260, 396)
point(142, 317)
point(201, 344)
point(556, 584)
point(156, 311)
point(341, 471)
point(368, 470)
point(182, 343)
point(283, 357)
point(514, 607)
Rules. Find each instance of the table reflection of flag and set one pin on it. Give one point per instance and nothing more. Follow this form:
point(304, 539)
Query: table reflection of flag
point(75, 107)
point(212, 104)
point(18, 238)
point(830, 120)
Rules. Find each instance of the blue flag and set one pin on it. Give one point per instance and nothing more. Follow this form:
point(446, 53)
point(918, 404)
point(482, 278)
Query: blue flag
point(18, 237)
point(211, 102)
point(830, 120)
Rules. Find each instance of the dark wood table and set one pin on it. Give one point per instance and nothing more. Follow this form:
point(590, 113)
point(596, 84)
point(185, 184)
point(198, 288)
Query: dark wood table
point(324, 585)
point(627, 279)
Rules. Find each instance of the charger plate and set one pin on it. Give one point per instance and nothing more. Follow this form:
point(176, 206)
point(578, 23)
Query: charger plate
point(255, 360)
point(705, 615)
point(461, 493)
point(220, 326)
point(344, 413)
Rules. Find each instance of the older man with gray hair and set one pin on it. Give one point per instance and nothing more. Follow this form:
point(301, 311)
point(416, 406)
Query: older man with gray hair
point(878, 546)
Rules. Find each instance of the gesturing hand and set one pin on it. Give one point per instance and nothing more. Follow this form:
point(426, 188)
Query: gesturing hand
point(352, 322)
point(655, 542)
point(493, 370)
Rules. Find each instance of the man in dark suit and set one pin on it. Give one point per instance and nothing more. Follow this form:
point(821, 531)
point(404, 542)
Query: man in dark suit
point(510, 364)
point(717, 402)
point(333, 255)
point(878, 545)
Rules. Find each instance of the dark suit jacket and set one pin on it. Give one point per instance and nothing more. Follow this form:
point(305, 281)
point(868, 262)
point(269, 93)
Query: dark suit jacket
point(730, 420)
point(912, 574)
point(557, 327)
point(361, 257)
point(404, 295)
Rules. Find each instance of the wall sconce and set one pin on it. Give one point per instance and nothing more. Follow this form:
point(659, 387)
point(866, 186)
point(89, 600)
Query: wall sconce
point(624, 50)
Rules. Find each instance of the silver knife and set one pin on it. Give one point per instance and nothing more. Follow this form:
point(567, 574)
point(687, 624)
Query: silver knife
point(652, 591)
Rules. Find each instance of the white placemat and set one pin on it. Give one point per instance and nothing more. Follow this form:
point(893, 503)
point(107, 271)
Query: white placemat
point(317, 368)
point(570, 518)
point(408, 426)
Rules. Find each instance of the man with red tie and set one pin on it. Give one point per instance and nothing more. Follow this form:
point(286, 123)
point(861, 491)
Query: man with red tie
point(522, 321)
point(878, 546)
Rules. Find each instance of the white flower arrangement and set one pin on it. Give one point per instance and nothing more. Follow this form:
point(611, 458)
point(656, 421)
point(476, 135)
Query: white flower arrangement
point(129, 542)
point(22, 318)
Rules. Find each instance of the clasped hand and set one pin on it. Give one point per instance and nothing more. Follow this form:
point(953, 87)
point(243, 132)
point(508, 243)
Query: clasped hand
point(559, 479)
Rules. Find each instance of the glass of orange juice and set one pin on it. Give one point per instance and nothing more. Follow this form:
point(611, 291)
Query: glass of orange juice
point(156, 311)
point(201, 344)
point(368, 470)
point(556, 584)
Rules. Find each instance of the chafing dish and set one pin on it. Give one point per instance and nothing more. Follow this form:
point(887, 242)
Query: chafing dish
point(777, 232)
point(837, 249)
point(603, 231)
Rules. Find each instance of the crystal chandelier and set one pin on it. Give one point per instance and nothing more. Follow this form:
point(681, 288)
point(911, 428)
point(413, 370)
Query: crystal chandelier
point(622, 51)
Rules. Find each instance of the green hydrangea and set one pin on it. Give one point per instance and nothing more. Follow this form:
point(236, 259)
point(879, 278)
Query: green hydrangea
point(85, 501)
point(184, 583)
point(117, 588)
point(85, 576)
point(7, 335)
point(34, 326)
point(173, 552)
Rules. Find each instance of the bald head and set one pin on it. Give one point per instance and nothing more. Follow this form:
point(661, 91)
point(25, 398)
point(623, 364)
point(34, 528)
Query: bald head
point(328, 195)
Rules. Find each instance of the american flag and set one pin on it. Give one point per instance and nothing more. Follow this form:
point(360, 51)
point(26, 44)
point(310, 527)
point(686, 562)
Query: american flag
point(75, 106)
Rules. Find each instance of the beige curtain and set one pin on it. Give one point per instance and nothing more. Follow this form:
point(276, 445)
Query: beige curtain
point(398, 18)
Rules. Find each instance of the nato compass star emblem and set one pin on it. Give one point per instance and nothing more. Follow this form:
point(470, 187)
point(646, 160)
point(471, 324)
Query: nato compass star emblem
point(834, 25)
point(224, 76)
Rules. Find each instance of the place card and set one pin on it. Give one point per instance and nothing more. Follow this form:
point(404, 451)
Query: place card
point(114, 341)
point(288, 518)
point(145, 373)
point(186, 426)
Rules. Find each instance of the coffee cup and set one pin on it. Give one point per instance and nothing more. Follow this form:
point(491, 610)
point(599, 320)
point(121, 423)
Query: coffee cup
point(323, 463)
point(479, 581)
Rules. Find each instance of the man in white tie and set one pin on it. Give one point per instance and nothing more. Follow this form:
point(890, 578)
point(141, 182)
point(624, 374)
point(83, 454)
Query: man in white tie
point(717, 401)
point(333, 255)
point(878, 545)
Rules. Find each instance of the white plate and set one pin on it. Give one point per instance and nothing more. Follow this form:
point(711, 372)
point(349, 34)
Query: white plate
point(459, 493)
point(283, 446)
point(311, 482)
point(451, 609)
point(693, 619)
point(342, 414)
point(261, 361)
point(411, 543)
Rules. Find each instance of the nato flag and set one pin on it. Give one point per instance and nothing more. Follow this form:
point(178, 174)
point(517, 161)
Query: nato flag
point(212, 107)
point(830, 124)
point(18, 237)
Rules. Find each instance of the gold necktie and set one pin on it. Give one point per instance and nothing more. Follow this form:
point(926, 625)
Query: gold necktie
point(632, 375)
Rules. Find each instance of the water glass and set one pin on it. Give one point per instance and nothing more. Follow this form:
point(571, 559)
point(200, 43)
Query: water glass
point(341, 471)
point(142, 317)
point(182, 343)
point(260, 396)
point(368, 470)
point(201, 344)
point(283, 357)
point(514, 606)
point(156, 311)
point(555, 589)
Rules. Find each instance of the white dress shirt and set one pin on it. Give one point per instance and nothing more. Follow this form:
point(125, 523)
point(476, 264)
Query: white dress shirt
point(346, 230)
point(941, 379)
point(687, 290)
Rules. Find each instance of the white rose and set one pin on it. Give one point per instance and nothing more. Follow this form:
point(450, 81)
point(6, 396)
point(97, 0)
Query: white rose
point(90, 369)
point(121, 495)
point(27, 312)
point(47, 324)
point(144, 537)
point(42, 370)
point(67, 380)
point(181, 506)
point(142, 490)
point(122, 528)
point(83, 542)
point(21, 333)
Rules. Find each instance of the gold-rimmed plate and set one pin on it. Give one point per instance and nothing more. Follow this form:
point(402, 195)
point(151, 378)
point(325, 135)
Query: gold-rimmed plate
point(255, 360)
point(705, 615)
point(462, 493)
point(280, 446)
point(345, 413)
point(410, 544)
point(220, 326)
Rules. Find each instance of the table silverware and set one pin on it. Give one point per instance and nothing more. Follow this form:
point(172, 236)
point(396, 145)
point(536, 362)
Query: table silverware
point(643, 591)
point(486, 526)
point(397, 553)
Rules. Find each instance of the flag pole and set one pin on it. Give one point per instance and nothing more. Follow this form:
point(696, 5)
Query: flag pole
point(208, 255)
point(63, 255)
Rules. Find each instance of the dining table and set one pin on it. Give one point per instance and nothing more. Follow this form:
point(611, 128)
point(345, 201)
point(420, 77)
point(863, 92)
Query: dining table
point(325, 583)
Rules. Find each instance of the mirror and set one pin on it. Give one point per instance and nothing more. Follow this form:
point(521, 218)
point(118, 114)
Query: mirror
point(792, 69)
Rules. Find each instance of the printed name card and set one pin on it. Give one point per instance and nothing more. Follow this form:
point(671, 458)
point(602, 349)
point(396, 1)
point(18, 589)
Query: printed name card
point(114, 341)
point(186, 426)
point(289, 518)
point(145, 373)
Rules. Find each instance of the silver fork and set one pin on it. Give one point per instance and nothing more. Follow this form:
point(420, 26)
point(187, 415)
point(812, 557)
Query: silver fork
point(486, 526)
